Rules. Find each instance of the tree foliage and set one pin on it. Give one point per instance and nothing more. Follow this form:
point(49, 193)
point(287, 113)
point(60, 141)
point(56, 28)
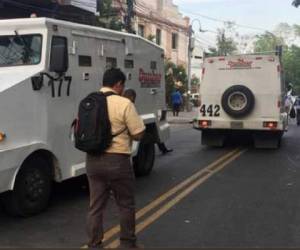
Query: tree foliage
point(225, 45)
point(291, 64)
point(290, 57)
point(109, 18)
point(267, 42)
point(296, 3)
point(211, 52)
point(195, 80)
point(297, 29)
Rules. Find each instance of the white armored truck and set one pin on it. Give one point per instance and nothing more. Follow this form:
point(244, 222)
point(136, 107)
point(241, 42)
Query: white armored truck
point(46, 68)
point(239, 94)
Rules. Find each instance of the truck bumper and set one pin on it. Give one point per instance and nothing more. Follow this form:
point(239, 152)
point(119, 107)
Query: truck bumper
point(241, 125)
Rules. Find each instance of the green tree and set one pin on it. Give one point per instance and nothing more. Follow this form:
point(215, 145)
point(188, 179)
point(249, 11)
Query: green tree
point(109, 17)
point(195, 80)
point(296, 29)
point(225, 45)
point(291, 64)
point(211, 52)
point(290, 58)
point(267, 42)
point(296, 3)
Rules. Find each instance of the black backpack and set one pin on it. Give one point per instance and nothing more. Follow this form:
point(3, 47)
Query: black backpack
point(92, 127)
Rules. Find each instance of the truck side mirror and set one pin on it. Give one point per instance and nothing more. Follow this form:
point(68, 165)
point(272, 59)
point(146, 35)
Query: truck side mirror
point(59, 59)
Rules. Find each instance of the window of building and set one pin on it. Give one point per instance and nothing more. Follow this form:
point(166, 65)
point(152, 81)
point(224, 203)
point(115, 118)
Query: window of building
point(85, 61)
point(158, 36)
point(129, 64)
point(153, 65)
point(111, 62)
point(174, 41)
point(141, 30)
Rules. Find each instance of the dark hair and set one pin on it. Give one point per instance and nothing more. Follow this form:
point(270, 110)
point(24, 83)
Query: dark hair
point(112, 77)
point(130, 94)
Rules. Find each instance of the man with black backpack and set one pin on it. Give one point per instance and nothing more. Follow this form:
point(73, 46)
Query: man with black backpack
point(111, 170)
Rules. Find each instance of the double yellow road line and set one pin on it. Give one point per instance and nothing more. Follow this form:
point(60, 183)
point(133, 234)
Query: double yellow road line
point(165, 202)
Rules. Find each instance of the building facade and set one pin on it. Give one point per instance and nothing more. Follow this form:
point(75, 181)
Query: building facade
point(161, 22)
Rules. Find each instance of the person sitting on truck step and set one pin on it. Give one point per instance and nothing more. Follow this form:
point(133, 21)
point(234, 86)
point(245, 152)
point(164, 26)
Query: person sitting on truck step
point(131, 95)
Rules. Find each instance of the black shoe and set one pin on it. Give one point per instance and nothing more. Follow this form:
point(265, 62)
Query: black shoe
point(167, 151)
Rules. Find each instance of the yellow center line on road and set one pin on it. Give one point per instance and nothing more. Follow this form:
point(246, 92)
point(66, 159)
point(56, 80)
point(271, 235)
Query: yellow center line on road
point(113, 231)
point(156, 215)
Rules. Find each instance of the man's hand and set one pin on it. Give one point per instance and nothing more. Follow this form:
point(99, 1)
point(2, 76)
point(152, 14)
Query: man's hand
point(138, 137)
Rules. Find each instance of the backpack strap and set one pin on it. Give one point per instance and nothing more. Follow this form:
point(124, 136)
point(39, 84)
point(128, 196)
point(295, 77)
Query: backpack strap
point(107, 94)
point(119, 133)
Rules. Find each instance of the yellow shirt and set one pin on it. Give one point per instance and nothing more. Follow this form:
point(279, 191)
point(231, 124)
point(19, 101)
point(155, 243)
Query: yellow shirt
point(122, 114)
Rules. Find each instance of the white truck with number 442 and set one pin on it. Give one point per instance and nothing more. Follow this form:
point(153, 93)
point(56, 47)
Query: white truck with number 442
point(242, 93)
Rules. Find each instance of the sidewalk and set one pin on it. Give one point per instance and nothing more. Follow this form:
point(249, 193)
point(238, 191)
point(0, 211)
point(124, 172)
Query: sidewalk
point(183, 118)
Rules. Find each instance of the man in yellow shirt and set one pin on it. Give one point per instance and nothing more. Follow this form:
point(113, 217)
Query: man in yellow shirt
point(112, 171)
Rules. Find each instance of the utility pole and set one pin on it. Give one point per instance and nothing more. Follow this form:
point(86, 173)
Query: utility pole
point(129, 16)
point(190, 53)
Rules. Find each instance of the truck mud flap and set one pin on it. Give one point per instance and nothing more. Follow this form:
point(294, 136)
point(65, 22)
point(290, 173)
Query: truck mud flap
point(213, 138)
point(267, 140)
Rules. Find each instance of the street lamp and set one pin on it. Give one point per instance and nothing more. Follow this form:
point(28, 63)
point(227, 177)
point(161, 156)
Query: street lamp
point(190, 50)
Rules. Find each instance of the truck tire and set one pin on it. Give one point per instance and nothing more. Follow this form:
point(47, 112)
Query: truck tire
point(144, 161)
point(238, 101)
point(32, 190)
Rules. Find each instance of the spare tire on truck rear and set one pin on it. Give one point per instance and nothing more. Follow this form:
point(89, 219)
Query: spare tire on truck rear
point(238, 101)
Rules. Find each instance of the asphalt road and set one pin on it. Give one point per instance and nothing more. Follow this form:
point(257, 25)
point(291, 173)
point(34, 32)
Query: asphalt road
point(230, 198)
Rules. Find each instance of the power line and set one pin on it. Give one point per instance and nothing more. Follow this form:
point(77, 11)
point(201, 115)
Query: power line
point(224, 21)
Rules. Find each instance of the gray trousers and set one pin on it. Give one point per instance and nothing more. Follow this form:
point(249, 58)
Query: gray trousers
point(111, 173)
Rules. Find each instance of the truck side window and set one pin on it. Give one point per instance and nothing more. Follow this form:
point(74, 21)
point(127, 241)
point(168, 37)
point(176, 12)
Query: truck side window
point(111, 62)
point(129, 64)
point(85, 61)
point(153, 65)
point(59, 59)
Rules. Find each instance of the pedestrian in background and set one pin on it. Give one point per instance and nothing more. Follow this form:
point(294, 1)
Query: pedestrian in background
point(176, 102)
point(130, 94)
point(112, 170)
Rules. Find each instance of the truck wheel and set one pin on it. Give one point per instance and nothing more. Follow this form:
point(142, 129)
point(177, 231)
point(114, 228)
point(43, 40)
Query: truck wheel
point(238, 101)
point(144, 161)
point(32, 189)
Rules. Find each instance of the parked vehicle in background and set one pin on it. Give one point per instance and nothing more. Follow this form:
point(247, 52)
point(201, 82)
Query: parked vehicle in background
point(243, 93)
point(47, 68)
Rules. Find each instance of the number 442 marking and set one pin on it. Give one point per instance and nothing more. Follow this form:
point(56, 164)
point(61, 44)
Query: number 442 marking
point(210, 110)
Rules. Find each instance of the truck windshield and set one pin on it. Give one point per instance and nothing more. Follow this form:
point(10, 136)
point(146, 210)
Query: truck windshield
point(20, 50)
